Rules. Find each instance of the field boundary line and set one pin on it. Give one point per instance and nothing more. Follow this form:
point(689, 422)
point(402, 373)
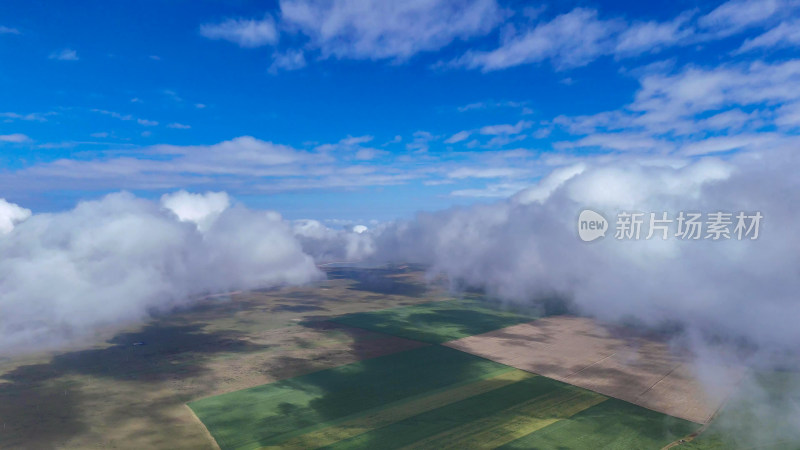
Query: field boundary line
point(401, 410)
point(206, 431)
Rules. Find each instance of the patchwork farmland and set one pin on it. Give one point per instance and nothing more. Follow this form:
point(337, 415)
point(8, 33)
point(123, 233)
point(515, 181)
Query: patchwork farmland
point(361, 360)
point(430, 397)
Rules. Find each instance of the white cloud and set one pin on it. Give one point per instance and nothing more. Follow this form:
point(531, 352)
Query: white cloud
point(30, 117)
point(486, 172)
point(421, 141)
point(736, 15)
point(244, 32)
point(787, 34)
point(688, 107)
point(10, 215)
point(666, 98)
point(114, 261)
point(8, 30)
point(179, 126)
point(367, 154)
point(569, 40)
point(641, 37)
point(580, 36)
point(526, 248)
point(496, 190)
point(16, 138)
point(717, 144)
point(65, 55)
point(506, 129)
point(493, 104)
point(351, 148)
point(619, 141)
point(542, 190)
point(458, 137)
point(352, 243)
point(113, 114)
point(289, 60)
point(243, 164)
point(200, 209)
point(377, 29)
point(356, 140)
point(788, 115)
point(146, 123)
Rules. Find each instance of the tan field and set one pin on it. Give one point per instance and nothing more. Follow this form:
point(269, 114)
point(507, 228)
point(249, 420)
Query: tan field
point(112, 394)
point(584, 353)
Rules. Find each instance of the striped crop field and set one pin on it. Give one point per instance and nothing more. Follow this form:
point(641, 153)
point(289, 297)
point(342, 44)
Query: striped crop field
point(429, 397)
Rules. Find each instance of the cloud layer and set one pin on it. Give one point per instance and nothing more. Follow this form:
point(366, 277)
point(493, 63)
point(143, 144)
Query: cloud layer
point(114, 261)
point(527, 247)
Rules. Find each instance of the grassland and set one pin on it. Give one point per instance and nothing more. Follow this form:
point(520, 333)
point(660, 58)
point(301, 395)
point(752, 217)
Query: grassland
point(430, 397)
point(438, 322)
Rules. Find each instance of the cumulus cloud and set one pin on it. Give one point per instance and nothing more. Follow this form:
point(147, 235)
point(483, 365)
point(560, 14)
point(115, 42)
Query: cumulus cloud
point(527, 247)
point(116, 260)
point(329, 245)
point(200, 209)
point(10, 214)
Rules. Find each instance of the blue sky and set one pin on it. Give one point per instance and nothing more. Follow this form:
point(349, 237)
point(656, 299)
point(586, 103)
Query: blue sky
point(370, 110)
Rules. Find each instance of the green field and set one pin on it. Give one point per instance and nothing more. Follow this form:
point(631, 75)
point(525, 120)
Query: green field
point(438, 322)
point(430, 397)
point(613, 424)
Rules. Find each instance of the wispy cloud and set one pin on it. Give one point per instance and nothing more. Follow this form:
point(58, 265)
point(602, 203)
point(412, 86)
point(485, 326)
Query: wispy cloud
point(16, 138)
point(787, 34)
point(65, 55)
point(248, 33)
point(289, 60)
point(736, 15)
point(31, 117)
point(377, 29)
